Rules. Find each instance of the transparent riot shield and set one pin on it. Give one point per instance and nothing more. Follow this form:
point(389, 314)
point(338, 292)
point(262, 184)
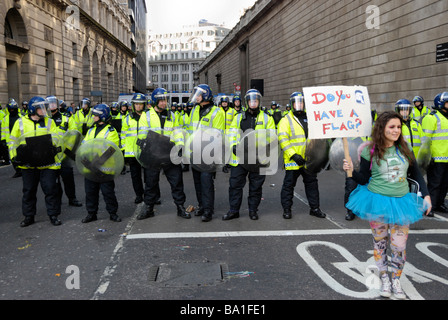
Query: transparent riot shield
point(258, 149)
point(207, 150)
point(156, 150)
point(99, 160)
point(424, 155)
point(39, 149)
point(72, 140)
point(317, 155)
point(337, 154)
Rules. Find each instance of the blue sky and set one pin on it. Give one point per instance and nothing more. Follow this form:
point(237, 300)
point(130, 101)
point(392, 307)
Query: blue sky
point(168, 15)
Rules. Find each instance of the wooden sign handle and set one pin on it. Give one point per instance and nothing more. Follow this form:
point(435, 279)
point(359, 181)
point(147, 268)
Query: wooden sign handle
point(347, 156)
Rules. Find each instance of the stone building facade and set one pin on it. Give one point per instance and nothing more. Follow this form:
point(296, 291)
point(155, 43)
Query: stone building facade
point(175, 56)
point(282, 46)
point(67, 48)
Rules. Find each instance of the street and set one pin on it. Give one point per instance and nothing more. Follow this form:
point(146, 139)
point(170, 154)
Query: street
point(170, 258)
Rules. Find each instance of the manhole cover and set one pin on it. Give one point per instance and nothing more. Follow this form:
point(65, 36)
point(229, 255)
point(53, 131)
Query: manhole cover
point(187, 274)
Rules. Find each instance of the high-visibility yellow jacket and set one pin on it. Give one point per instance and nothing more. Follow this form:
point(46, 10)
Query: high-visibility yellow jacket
point(419, 115)
point(83, 122)
point(150, 121)
point(24, 126)
point(264, 121)
point(292, 140)
point(229, 116)
point(215, 118)
point(413, 135)
point(435, 128)
point(129, 132)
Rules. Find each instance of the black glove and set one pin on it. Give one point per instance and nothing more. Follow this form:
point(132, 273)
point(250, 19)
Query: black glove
point(297, 158)
point(234, 149)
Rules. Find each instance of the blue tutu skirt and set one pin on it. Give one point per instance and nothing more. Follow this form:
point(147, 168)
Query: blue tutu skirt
point(371, 206)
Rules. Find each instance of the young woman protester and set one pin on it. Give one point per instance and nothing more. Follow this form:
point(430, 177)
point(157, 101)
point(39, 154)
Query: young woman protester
point(383, 196)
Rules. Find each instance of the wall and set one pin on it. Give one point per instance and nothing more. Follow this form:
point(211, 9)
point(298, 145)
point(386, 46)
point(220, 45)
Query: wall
point(293, 44)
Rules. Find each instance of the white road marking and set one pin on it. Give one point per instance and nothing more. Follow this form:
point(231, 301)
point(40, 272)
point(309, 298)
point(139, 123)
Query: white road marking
point(114, 259)
point(274, 233)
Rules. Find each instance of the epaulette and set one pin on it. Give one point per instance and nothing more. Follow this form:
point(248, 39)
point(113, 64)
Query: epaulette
point(433, 113)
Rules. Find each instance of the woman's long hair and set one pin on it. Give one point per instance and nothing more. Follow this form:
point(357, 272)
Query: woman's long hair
point(379, 140)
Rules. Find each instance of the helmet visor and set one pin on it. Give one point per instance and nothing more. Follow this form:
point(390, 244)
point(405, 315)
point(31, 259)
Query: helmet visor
point(52, 103)
point(196, 97)
point(404, 110)
point(253, 100)
point(42, 109)
point(297, 103)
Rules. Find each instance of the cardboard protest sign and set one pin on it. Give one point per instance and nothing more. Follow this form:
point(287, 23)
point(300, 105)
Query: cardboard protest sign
point(338, 112)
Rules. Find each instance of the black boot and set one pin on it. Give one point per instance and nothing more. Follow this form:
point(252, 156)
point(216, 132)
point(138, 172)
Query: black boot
point(91, 216)
point(181, 212)
point(29, 220)
point(287, 214)
point(207, 216)
point(350, 215)
point(114, 217)
point(55, 221)
point(149, 213)
point(317, 213)
point(231, 215)
point(253, 215)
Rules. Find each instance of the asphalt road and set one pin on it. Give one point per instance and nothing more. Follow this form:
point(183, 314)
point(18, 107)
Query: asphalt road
point(189, 261)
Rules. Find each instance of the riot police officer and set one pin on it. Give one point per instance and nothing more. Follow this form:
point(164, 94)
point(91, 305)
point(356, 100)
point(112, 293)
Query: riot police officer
point(83, 117)
point(237, 105)
point(8, 122)
point(420, 110)
point(64, 123)
point(101, 129)
point(292, 134)
point(411, 129)
point(162, 121)
point(435, 127)
point(252, 119)
point(205, 115)
point(130, 131)
point(45, 170)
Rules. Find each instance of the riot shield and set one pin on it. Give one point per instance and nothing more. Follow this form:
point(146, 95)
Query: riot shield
point(99, 160)
point(316, 155)
point(72, 140)
point(337, 154)
point(258, 149)
point(424, 155)
point(155, 150)
point(117, 124)
point(207, 150)
point(277, 117)
point(34, 149)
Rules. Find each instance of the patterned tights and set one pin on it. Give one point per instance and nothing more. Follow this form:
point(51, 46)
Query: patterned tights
point(398, 239)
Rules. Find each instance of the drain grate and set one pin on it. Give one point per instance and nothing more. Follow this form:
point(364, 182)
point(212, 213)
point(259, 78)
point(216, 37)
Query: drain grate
point(178, 275)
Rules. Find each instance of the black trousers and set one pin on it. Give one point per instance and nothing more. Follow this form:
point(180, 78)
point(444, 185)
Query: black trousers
point(136, 176)
point(93, 194)
point(48, 180)
point(237, 182)
point(350, 185)
point(437, 174)
point(173, 174)
point(311, 188)
point(68, 179)
point(204, 186)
